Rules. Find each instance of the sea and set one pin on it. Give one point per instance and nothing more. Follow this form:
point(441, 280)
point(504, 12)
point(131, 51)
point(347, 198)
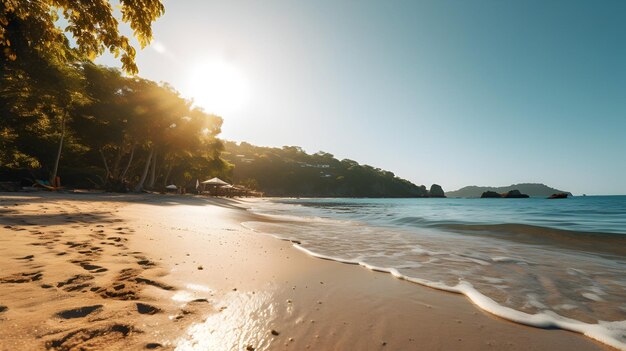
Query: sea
point(548, 263)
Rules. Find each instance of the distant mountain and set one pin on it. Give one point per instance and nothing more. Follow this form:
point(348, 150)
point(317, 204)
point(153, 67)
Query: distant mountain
point(532, 189)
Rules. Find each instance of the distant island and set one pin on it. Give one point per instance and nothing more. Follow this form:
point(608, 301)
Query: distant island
point(531, 189)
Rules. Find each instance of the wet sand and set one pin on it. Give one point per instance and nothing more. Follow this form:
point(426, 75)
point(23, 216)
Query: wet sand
point(107, 272)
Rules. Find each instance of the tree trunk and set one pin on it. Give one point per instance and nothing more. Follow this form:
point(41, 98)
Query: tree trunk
point(106, 166)
point(144, 175)
point(58, 158)
point(167, 175)
point(130, 160)
point(153, 170)
point(116, 164)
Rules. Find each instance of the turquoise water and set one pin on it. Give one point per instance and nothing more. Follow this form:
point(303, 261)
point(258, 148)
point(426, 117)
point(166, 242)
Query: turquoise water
point(547, 263)
point(598, 214)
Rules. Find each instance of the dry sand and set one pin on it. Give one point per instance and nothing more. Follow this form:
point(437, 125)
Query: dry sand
point(109, 272)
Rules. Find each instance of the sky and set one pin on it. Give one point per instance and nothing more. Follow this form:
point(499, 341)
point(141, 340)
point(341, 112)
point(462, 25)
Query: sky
point(449, 92)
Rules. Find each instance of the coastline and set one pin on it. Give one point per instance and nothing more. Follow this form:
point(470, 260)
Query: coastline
point(214, 284)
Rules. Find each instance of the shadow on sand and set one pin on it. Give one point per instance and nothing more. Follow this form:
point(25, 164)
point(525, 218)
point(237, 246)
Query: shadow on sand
point(9, 199)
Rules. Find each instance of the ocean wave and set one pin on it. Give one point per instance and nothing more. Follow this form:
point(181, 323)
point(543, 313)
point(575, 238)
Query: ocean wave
point(611, 243)
point(612, 333)
point(526, 272)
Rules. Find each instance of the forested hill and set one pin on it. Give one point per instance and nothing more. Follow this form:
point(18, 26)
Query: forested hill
point(289, 171)
point(531, 189)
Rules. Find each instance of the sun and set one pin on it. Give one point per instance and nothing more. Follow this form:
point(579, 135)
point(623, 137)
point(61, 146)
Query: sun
point(217, 86)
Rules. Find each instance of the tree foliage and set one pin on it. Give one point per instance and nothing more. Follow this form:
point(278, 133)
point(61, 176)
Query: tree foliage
point(35, 95)
point(27, 26)
point(120, 132)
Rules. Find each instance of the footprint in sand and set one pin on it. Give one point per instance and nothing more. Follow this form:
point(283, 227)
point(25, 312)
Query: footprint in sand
point(74, 245)
point(26, 258)
point(79, 312)
point(21, 278)
point(153, 345)
point(90, 338)
point(92, 267)
point(144, 308)
point(144, 262)
point(126, 286)
point(77, 282)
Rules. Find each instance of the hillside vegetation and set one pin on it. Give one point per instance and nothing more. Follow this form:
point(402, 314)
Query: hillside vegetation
point(290, 171)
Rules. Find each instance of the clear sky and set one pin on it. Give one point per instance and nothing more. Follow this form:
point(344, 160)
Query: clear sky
point(449, 92)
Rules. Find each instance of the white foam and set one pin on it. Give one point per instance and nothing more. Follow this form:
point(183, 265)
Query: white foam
point(183, 296)
point(420, 251)
point(301, 219)
point(609, 333)
point(534, 302)
point(565, 307)
point(504, 259)
point(574, 271)
point(478, 261)
point(198, 287)
point(592, 296)
point(493, 280)
point(597, 290)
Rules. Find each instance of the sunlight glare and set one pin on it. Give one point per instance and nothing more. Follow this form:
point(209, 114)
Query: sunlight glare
point(158, 47)
point(217, 86)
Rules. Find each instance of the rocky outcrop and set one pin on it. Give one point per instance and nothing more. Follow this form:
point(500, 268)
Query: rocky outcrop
point(436, 191)
point(558, 196)
point(515, 194)
point(490, 194)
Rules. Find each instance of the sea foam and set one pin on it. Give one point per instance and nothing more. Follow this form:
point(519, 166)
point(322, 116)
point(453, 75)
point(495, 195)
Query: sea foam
point(458, 264)
point(609, 333)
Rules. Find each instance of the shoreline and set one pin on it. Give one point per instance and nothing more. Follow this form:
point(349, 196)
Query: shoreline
point(216, 284)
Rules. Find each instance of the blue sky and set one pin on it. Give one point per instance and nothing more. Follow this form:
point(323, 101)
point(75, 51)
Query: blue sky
point(449, 92)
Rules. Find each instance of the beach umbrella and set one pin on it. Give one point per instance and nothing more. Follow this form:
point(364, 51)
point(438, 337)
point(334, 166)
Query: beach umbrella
point(171, 187)
point(215, 181)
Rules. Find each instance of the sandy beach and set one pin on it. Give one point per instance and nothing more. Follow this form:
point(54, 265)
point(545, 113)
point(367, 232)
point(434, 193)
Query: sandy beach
point(109, 272)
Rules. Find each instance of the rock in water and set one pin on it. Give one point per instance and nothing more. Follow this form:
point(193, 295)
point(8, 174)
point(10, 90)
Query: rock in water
point(490, 194)
point(436, 191)
point(515, 194)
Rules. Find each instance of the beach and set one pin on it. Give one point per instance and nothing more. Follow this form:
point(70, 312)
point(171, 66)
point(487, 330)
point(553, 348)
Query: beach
point(106, 272)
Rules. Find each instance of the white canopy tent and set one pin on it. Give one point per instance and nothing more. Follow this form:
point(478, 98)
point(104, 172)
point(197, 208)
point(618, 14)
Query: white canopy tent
point(214, 185)
point(215, 181)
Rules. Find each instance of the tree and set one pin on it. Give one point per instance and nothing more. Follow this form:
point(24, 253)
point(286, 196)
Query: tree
point(103, 122)
point(37, 94)
point(91, 23)
point(39, 66)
